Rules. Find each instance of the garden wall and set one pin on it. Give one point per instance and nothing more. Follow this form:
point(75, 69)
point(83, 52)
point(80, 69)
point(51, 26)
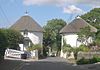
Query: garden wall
point(87, 55)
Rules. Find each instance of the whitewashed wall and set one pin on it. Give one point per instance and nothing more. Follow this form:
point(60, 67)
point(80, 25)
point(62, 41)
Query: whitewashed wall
point(71, 38)
point(35, 37)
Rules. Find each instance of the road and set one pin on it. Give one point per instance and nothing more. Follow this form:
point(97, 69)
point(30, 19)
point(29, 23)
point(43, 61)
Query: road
point(50, 63)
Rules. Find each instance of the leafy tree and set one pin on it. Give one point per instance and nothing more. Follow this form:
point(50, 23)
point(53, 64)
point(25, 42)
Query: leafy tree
point(3, 42)
point(84, 34)
point(14, 38)
point(93, 17)
point(52, 37)
point(9, 39)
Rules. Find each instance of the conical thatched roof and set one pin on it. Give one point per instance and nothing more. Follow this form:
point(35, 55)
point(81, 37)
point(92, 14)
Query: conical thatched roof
point(26, 22)
point(76, 25)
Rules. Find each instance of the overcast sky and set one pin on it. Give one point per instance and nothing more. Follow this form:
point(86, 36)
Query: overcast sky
point(43, 10)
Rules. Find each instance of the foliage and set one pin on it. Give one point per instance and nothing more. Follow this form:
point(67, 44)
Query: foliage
point(93, 17)
point(84, 34)
point(88, 61)
point(67, 48)
point(3, 43)
point(52, 37)
point(14, 38)
point(83, 48)
point(34, 47)
point(97, 39)
point(83, 61)
point(75, 51)
point(9, 39)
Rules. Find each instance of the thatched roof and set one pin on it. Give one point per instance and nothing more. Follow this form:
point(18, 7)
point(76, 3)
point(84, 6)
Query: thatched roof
point(27, 23)
point(76, 25)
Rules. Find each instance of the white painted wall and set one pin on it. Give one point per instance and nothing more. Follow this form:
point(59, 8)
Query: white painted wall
point(35, 37)
point(71, 38)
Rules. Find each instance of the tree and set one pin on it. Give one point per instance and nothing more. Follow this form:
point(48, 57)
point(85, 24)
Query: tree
point(9, 39)
point(84, 35)
point(14, 38)
point(52, 37)
point(93, 17)
point(3, 42)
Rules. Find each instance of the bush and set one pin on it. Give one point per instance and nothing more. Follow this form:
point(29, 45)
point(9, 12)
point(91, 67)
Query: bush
point(88, 61)
point(83, 48)
point(67, 48)
point(9, 39)
point(34, 47)
point(83, 61)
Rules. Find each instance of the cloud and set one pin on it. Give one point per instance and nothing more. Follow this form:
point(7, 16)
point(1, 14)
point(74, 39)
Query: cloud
point(84, 2)
point(72, 9)
point(61, 2)
point(67, 5)
point(44, 2)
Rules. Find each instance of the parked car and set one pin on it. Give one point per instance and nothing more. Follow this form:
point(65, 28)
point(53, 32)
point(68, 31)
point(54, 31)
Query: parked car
point(53, 54)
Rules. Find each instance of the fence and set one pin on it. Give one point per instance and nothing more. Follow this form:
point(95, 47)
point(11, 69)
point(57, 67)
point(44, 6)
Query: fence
point(13, 53)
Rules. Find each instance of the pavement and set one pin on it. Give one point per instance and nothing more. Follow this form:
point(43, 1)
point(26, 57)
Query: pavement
point(50, 63)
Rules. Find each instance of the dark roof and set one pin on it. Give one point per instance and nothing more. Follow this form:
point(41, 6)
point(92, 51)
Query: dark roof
point(76, 25)
point(26, 23)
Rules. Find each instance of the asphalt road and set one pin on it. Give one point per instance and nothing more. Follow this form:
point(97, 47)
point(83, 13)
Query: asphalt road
point(10, 64)
point(50, 63)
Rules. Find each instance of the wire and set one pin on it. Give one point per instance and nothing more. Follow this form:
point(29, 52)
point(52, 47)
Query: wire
point(4, 14)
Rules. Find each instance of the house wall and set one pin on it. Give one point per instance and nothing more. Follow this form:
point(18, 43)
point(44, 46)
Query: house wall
point(35, 37)
point(71, 38)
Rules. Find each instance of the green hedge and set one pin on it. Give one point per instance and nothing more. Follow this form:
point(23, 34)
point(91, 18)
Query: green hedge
point(88, 61)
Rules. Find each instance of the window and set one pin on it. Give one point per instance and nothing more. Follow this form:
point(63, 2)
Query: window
point(25, 32)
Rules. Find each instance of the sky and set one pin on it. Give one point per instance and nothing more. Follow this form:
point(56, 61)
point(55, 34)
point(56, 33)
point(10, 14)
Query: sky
point(43, 10)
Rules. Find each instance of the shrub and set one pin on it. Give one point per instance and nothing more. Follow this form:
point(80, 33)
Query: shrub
point(83, 48)
point(88, 61)
point(67, 48)
point(34, 47)
point(83, 61)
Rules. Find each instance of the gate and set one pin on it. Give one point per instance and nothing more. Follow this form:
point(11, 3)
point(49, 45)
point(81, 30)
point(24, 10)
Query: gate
point(13, 53)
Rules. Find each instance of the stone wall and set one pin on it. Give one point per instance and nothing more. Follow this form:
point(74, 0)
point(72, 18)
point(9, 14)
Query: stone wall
point(87, 55)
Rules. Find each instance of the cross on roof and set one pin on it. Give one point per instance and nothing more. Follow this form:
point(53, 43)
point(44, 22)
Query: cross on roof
point(26, 13)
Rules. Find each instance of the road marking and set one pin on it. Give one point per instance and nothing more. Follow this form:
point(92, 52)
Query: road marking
point(27, 63)
point(18, 66)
